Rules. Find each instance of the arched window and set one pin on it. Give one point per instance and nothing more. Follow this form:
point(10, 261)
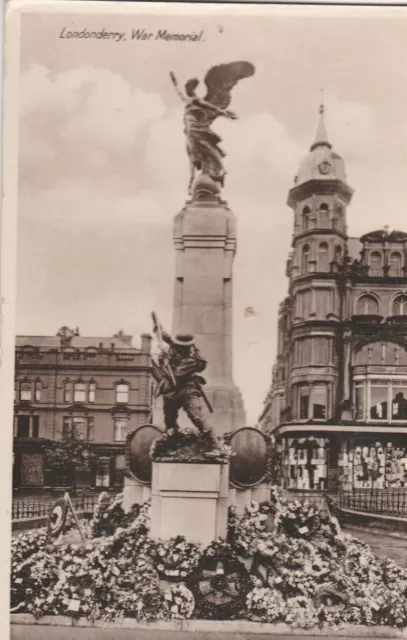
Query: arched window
point(305, 258)
point(395, 264)
point(338, 254)
point(26, 391)
point(400, 306)
point(323, 260)
point(306, 213)
point(375, 263)
point(37, 391)
point(92, 392)
point(122, 393)
point(367, 306)
point(324, 216)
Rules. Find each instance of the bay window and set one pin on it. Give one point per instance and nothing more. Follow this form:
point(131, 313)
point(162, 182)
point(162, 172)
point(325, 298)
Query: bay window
point(380, 399)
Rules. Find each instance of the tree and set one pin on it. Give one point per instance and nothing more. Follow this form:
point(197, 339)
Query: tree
point(66, 455)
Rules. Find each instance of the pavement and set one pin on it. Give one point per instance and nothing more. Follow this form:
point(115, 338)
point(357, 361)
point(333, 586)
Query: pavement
point(383, 544)
point(27, 632)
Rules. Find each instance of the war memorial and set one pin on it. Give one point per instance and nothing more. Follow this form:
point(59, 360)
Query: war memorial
point(201, 535)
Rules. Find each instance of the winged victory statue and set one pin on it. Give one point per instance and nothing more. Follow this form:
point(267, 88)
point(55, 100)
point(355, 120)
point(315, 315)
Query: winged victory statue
point(205, 155)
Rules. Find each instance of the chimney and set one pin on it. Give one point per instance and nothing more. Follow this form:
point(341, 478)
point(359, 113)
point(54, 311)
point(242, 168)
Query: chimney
point(146, 343)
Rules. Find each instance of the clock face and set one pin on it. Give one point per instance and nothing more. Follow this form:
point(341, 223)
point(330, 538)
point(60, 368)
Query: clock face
point(325, 167)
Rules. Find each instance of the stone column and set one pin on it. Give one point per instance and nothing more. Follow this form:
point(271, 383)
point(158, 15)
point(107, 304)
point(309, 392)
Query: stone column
point(205, 245)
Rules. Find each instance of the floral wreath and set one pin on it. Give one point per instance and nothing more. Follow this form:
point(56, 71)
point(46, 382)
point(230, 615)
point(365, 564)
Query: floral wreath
point(176, 558)
point(178, 603)
point(220, 584)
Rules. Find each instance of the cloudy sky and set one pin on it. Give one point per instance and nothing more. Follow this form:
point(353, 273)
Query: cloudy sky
point(103, 168)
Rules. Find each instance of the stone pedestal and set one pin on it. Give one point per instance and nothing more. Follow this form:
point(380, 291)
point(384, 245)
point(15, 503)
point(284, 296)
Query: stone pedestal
point(205, 244)
point(189, 500)
point(134, 493)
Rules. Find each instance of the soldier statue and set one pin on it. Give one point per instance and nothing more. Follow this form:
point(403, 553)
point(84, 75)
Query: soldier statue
point(178, 379)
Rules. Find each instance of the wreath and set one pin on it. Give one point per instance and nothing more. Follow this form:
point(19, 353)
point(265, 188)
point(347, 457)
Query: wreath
point(176, 558)
point(220, 584)
point(178, 603)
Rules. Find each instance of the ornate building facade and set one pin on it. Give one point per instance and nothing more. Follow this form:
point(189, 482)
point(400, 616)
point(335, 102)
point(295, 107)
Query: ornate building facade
point(337, 406)
point(98, 388)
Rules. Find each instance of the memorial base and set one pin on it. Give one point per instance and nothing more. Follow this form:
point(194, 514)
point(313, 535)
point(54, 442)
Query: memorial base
point(134, 493)
point(190, 500)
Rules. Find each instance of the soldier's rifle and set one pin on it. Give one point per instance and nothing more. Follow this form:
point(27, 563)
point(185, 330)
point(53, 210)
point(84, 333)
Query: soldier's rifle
point(158, 331)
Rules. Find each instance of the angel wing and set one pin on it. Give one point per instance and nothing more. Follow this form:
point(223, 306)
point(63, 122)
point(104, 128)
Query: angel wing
point(221, 79)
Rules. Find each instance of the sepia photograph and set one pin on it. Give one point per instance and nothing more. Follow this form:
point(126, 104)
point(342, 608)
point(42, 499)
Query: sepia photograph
point(204, 289)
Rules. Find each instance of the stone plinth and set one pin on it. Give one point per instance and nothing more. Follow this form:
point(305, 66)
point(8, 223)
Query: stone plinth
point(189, 500)
point(205, 245)
point(134, 492)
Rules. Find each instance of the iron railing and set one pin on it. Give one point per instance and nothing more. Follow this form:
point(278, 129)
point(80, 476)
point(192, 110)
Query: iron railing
point(35, 507)
point(385, 502)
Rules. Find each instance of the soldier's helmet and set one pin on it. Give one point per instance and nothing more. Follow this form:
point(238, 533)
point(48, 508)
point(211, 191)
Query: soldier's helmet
point(184, 339)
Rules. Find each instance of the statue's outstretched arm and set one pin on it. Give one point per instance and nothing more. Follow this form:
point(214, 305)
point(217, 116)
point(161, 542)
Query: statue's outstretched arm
point(175, 83)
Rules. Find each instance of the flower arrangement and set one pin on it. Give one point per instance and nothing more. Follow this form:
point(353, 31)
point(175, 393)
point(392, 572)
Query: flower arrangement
point(176, 558)
point(220, 583)
point(303, 579)
point(190, 446)
point(264, 604)
point(178, 603)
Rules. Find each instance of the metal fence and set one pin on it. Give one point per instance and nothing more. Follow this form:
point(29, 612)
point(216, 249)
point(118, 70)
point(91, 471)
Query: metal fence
point(35, 507)
point(385, 502)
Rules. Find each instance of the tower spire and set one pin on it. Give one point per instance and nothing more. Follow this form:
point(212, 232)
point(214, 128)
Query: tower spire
point(321, 137)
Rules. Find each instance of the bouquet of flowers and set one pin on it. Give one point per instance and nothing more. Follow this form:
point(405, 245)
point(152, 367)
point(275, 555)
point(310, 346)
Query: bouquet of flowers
point(299, 520)
point(189, 446)
point(176, 558)
point(178, 603)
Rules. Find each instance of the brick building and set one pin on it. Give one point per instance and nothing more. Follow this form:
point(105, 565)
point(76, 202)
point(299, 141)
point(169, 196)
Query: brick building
point(337, 406)
point(101, 388)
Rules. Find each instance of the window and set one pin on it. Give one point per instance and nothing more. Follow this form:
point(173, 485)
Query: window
point(321, 350)
point(395, 264)
point(23, 426)
point(120, 429)
point(378, 399)
point(305, 259)
point(399, 401)
point(304, 403)
point(103, 473)
point(367, 305)
point(122, 393)
point(25, 391)
point(79, 427)
point(304, 300)
point(323, 298)
point(306, 213)
point(37, 391)
point(36, 426)
point(359, 401)
point(324, 216)
point(338, 254)
point(323, 259)
point(319, 402)
point(68, 392)
point(400, 306)
point(92, 392)
point(79, 392)
point(375, 264)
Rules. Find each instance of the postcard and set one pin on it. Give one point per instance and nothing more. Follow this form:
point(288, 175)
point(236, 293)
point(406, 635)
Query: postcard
point(204, 319)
